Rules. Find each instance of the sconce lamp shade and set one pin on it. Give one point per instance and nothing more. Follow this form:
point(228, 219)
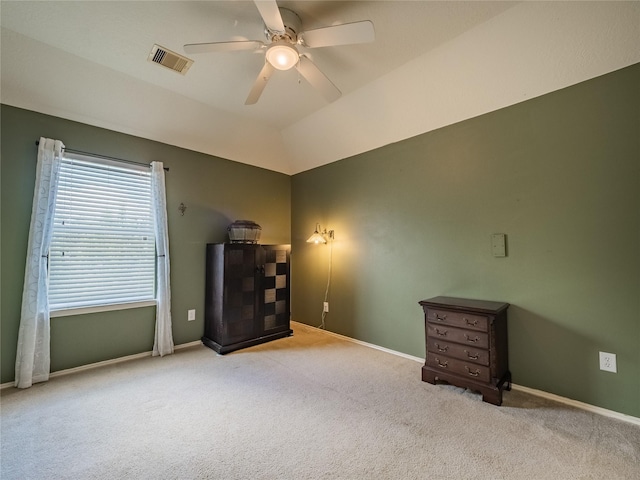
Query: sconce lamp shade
point(317, 237)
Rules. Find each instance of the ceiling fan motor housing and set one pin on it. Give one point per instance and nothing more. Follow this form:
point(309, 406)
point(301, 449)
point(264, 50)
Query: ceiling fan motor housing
point(292, 27)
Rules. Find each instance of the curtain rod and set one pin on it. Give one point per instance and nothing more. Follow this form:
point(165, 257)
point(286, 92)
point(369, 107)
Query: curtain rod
point(80, 152)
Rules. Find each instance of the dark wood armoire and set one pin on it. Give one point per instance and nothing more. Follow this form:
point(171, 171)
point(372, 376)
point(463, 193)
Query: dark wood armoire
point(247, 295)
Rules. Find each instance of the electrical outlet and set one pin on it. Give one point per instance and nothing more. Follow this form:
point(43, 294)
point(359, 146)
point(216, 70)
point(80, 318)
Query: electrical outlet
point(191, 315)
point(325, 307)
point(608, 362)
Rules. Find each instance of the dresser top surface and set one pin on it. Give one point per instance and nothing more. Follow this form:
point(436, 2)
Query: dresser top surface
point(455, 303)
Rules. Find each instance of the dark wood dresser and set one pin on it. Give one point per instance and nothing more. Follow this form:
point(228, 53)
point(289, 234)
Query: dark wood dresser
point(467, 345)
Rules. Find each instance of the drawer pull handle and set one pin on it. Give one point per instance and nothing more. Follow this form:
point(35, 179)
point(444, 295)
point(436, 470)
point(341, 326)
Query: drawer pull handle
point(441, 349)
point(473, 374)
point(469, 339)
point(442, 334)
point(472, 357)
point(470, 323)
point(441, 318)
point(442, 365)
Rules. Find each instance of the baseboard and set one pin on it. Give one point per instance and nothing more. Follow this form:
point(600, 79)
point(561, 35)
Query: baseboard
point(532, 391)
point(575, 403)
point(360, 342)
point(104, 363)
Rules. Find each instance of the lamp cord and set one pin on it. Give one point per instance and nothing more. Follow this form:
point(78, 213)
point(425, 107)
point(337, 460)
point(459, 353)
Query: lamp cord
point(326, 292)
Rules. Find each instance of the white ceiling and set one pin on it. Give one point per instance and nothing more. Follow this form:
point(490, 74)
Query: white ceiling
point(432, 64)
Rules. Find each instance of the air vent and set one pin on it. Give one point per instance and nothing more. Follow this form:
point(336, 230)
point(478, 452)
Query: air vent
point(167, 58)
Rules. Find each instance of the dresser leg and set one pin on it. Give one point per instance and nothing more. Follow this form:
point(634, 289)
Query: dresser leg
point(495, 398)
point(494, 394)
point(491, 394)
point(428, 376)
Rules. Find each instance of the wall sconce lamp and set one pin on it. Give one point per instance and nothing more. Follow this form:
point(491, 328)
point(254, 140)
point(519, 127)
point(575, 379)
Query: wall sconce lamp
point(320, 236)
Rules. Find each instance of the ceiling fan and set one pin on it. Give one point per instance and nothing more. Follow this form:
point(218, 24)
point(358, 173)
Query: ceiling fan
point(284, 35)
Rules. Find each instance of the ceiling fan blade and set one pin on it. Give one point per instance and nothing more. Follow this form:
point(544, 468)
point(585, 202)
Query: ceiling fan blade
point(270, 14)
point(346, 34)
point(223, 46)
point(317, 79)
point(260, 83)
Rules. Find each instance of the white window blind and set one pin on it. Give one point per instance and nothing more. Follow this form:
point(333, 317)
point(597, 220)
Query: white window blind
point(103, 245)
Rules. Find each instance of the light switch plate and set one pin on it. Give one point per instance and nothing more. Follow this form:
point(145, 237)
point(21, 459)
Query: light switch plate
point(191, 315)
point(499, 245)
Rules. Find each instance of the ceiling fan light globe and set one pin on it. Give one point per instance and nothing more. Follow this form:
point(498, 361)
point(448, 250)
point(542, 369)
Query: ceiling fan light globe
point(282, 55)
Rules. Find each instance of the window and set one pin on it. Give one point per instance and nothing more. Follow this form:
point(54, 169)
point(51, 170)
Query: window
point(103, 245)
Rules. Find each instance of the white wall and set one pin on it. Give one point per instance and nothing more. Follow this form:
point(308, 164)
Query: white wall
point(527, 51)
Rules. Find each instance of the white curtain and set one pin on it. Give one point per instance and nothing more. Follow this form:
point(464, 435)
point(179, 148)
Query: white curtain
point(32, 357)
point(163, 342)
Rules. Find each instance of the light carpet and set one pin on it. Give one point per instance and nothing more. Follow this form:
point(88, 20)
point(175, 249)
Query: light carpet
point(311, 406)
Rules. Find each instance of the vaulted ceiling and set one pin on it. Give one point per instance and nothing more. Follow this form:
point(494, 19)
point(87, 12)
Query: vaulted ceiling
point(431, 64)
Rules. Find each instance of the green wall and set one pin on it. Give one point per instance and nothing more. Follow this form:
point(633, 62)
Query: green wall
point(215, 191)
point(559, 174)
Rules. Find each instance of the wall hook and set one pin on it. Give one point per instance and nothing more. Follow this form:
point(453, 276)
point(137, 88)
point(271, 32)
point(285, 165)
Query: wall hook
point(182, 209)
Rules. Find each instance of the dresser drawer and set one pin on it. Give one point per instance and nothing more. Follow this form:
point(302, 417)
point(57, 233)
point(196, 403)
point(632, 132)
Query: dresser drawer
point(458, 335)
point(462, 352)
point(458, 319)
point(459, 367)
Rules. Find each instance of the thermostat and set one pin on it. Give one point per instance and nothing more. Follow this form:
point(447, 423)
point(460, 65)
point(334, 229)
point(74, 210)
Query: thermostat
point(499, 245)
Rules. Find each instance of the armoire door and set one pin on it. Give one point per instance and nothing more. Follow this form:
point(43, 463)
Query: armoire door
point(242, 278)
point(275, 300)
